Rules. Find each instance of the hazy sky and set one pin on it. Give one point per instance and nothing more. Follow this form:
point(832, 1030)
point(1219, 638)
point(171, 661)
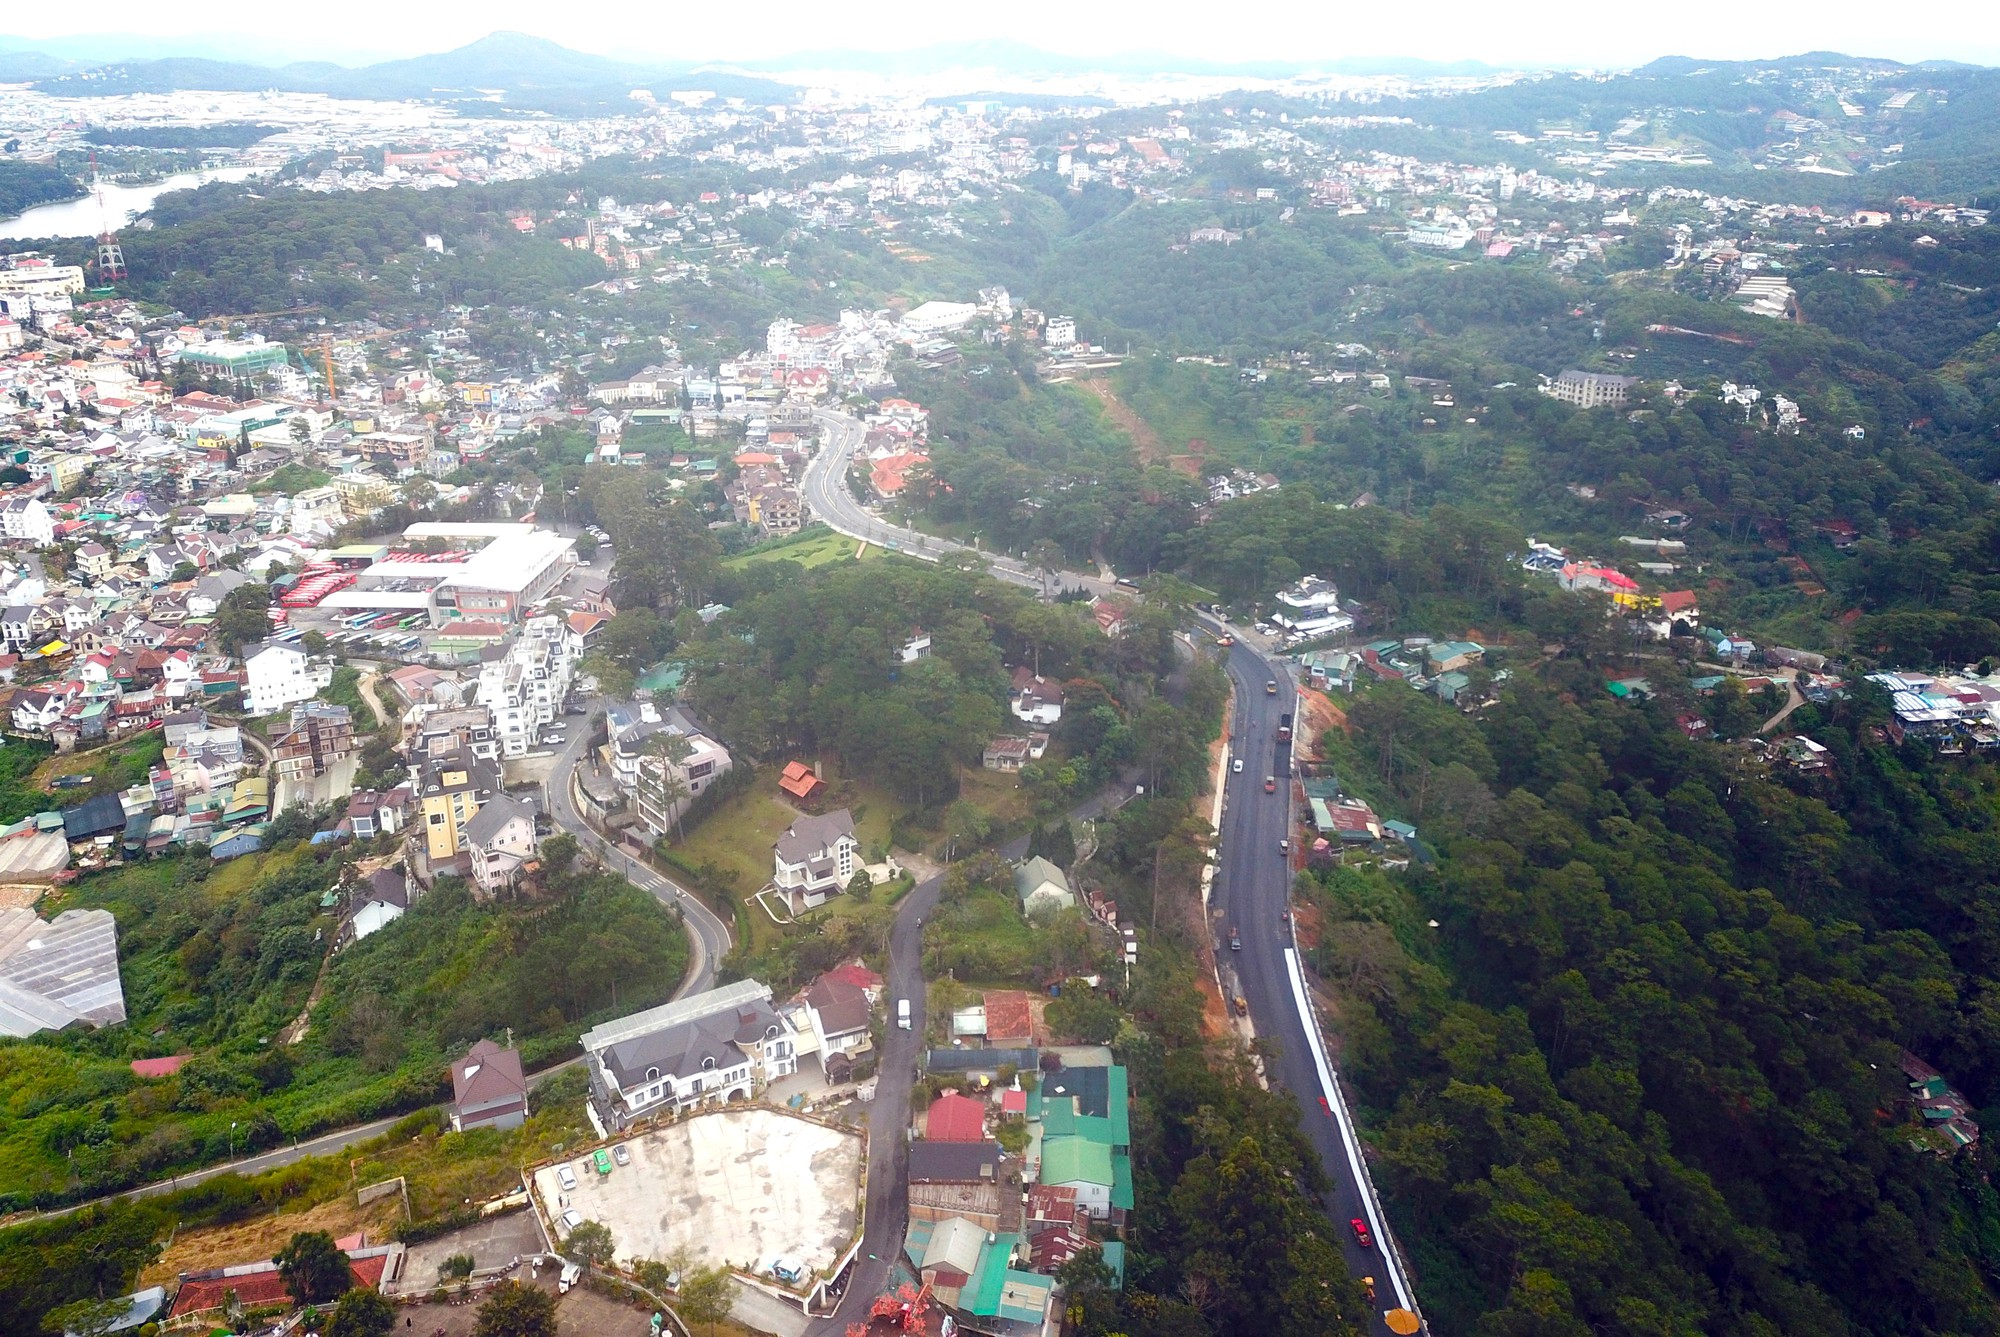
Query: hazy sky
point(1600, 34)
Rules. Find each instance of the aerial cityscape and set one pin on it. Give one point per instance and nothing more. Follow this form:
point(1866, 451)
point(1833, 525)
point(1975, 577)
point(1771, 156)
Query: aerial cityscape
point(998, 686)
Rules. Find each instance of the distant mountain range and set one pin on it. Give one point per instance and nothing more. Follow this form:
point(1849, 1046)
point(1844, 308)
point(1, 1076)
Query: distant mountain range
point(533, 73)
point(527, 72)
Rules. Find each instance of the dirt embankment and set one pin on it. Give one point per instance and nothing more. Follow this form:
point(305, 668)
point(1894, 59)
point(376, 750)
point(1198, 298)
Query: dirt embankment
point(1151, 449)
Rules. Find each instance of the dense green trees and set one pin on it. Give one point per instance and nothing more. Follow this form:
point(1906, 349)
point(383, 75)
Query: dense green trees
point(1644, 1075)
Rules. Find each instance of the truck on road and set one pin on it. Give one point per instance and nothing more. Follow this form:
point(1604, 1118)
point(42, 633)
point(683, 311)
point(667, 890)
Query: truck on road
point(1285, 727)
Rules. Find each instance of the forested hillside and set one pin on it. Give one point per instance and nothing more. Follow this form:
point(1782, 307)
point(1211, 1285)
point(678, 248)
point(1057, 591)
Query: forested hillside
point(1643, 1073)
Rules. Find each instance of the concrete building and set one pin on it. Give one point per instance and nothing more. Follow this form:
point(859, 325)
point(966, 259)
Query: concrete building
point(1591, 389)
point(321, 735)
point(712, 1048)
point(277, 675)
point(27, 520)
point(450, 791)
point(505, 578)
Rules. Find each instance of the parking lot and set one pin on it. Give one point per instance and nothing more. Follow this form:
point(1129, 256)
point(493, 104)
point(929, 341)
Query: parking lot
point(745, 1186)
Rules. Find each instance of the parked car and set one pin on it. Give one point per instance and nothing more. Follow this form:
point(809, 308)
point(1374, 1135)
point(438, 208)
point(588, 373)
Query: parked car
point(1284, 845)
point(567, 1178)
point(621, 1155)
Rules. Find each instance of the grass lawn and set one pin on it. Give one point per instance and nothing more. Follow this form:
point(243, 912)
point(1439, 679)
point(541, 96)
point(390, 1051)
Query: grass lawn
point(807, 550)
point(998, 794)
point(981, 938)
point(737, 837)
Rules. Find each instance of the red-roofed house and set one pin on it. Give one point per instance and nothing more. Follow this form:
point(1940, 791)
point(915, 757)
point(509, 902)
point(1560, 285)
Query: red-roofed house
point(1681, 605)
point(860, 976)
point(1583, 576)
point(891, 474)
point(955, 1118)
point(1014, 1101)
point(259, 1284)
point(1010, 1021)
point(799, 781)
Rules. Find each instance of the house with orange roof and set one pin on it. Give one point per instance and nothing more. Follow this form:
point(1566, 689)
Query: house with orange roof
point(800, 783)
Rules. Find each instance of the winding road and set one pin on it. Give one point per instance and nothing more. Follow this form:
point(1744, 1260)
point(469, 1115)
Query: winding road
point(708, 936)
point(1252, 891)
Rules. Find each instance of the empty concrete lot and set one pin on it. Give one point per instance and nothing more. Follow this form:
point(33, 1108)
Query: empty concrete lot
point(738, 1186)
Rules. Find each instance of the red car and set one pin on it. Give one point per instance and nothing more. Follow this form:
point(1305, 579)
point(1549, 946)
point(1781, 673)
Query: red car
point(1361, 1235)
point(1325, 1108)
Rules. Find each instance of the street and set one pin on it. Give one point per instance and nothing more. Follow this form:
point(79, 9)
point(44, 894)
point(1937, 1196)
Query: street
point(708, 936)
point(1252, 889)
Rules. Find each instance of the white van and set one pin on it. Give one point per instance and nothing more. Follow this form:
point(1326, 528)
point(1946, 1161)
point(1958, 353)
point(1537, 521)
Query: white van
point(903, 1014)
point(571, 1274)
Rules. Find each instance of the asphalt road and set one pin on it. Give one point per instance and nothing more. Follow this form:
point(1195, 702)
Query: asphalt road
point(1252, 890)
point(708, 937)
point(1252, 893)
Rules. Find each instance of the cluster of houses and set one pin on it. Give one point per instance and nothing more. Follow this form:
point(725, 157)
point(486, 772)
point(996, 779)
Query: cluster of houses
point(1419, 662)
point(1950, 712)
point(988, 1228)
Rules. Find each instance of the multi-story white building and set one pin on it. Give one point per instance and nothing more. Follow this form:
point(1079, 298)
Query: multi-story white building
point(1591, 389)
point(27, 520)
point(1311, 607)
point(658, 783)
point(524, 689)
point(277, 675)
point(816, 856)
point(703, 1050)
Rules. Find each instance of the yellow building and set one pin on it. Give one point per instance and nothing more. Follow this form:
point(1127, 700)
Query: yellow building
point(453, 787)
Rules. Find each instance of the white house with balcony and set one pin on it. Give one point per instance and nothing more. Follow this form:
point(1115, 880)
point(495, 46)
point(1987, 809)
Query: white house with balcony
point(708, 1049)
point(277, 676)
point(816, 857)
point(1311, 607)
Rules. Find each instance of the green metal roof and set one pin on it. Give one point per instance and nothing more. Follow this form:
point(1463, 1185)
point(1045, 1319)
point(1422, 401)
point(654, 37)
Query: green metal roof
point(1114, 1258)
point(1076, 1160)
point(981, 1295)
point(1121, 1181)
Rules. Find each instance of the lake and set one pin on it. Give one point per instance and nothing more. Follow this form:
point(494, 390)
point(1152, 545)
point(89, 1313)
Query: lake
point(122, 204)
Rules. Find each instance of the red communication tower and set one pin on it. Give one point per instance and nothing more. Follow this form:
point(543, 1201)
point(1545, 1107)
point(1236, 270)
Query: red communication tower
point(110, 255)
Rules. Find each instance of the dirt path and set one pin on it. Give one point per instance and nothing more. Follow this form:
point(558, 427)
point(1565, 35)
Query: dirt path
point(1151, 449)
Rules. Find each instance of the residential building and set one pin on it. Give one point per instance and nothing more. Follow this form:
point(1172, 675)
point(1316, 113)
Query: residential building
point(815, 857)
point(1081, 1137)
point(798, 782)
point(1035, 699)
point(713, 1047)
point(383, 901)
point(498, 840)
point(321, 735)
point(277, 674)
point(662, 761)
point(488, 1089)
point(1311, 607)
point(839, 1014)
point(450, 791)
point(1042, 888)
point(27, 520)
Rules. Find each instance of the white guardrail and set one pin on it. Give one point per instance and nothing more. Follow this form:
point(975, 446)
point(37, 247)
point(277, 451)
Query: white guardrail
point(1350, 1141)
